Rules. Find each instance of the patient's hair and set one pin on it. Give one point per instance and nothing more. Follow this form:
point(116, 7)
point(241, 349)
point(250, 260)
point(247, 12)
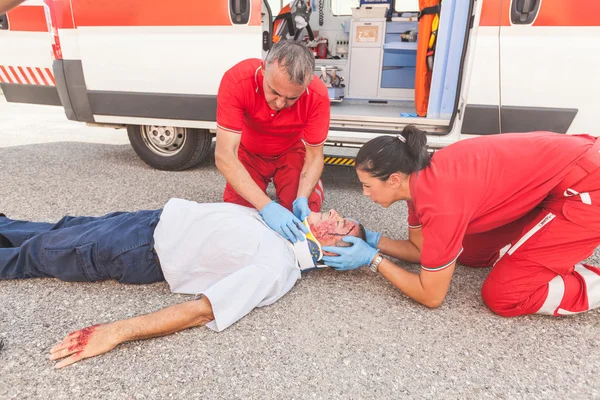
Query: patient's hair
point(361, 234)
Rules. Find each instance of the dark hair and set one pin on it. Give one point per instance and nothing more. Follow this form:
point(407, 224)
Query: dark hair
point(361, 234)
point(385, 155)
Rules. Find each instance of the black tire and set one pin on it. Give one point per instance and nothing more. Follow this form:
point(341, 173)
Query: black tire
point(191, 147)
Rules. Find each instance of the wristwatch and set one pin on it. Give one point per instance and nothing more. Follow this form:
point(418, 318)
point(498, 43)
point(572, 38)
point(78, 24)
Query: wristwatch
point(374, 266)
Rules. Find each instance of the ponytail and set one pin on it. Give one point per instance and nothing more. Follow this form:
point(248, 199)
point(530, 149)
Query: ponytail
point(385, 155)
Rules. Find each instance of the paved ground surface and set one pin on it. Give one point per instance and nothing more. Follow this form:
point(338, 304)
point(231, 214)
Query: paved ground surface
point(334, 336)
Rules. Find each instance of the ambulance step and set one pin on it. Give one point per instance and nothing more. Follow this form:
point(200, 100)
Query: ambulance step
point(342, 161)
point(342, 156)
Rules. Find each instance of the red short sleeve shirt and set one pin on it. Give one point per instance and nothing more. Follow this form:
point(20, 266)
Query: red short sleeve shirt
point(480, 184)
point(242, 108)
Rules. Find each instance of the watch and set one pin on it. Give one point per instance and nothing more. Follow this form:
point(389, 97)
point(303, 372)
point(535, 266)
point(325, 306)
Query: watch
point(374, 266)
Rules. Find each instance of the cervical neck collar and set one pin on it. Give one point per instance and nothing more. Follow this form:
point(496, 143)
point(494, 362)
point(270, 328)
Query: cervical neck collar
point(308, 251)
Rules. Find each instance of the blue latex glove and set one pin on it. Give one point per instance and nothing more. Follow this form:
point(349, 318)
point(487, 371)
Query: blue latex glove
point(353, 257)
point(373, 237)
point(283, 222)
point(300, 207)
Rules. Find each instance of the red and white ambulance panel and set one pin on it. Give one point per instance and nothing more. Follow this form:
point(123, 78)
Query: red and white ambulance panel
point(26, 62)
point(535, 67)
point(155, 67)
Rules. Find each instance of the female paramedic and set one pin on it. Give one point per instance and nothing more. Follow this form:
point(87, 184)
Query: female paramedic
point(526, 204)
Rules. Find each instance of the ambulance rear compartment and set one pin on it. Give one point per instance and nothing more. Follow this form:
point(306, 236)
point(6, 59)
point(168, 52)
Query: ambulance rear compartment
point(371, 64)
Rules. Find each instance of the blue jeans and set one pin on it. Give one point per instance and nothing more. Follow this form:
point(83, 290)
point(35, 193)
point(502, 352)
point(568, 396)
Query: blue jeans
point(82, 249)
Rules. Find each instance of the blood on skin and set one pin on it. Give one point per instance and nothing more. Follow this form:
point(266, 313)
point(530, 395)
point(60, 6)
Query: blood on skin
point(83, 338)
point(328, 232)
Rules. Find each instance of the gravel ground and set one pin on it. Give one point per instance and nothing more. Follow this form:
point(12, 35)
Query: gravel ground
point(334, 336)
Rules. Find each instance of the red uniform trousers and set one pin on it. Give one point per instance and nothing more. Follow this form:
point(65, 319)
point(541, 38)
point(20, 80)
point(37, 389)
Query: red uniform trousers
point(542, 272)
point(284, 170)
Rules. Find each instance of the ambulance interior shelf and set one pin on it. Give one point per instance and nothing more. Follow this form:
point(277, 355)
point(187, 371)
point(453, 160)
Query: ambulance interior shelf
point(331, 72)
point(382, 59)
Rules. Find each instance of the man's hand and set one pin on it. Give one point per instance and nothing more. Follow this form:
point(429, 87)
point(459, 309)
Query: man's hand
point(300, 207)
point(283, 222)
point(353, 257)
point(85, 343)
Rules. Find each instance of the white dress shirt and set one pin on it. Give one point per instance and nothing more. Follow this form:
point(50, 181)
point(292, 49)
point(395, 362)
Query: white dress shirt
point(226, 252)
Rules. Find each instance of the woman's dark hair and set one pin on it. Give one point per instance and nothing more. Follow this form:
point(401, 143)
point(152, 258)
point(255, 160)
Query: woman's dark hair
point(385, 155)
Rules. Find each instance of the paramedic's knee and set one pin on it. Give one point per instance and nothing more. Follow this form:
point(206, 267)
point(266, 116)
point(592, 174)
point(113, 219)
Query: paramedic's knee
point(491, 294)
point(501, 299)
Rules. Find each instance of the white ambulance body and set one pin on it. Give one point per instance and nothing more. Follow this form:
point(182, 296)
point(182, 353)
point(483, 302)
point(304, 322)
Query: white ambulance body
point(155, 67)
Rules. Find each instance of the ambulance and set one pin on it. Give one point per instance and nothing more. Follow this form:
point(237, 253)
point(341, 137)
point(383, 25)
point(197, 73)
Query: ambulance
point(154, 67)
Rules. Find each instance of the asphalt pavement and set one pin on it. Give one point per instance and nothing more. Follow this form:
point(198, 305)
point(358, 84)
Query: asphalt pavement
point(334, 336)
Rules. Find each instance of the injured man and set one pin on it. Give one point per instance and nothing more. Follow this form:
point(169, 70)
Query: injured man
point(222, 252)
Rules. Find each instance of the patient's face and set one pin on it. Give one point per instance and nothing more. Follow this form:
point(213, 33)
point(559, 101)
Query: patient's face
point(329, 228)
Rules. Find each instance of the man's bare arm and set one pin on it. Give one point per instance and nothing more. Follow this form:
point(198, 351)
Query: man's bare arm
point(234, 172)
point(311, 171)
point(98, 339)
point(7, 5)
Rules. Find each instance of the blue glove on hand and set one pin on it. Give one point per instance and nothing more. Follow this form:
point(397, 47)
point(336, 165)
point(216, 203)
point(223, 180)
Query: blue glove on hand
point(355, 256)
point(283, 222)
point(373, 237)
point(300, 207)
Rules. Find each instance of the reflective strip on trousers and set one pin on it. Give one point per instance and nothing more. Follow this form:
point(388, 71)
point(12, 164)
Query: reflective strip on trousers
point(556, 291)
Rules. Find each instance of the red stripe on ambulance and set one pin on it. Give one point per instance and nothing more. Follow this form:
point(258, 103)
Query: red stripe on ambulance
point(24, 75)
point(27, 19)
point(27, 75)
point(141, 13)
point(551, 13)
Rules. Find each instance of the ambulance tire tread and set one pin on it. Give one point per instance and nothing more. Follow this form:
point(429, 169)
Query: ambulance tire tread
point(197, 147)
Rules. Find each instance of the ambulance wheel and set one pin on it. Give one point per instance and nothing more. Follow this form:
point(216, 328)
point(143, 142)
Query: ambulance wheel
point(170, 148)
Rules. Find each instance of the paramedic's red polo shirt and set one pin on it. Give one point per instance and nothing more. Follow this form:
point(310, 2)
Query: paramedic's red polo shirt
point(480, 184)
point(242, 108)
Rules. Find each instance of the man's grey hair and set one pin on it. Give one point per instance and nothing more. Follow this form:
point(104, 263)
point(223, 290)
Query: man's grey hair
point(296, 58)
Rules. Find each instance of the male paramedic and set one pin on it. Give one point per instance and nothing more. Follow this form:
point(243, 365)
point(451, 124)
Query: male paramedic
point(225, 252)
point(272, 121)
point(525, 204)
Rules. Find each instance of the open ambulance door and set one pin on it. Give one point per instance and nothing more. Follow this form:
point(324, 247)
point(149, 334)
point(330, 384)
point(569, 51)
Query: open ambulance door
point(549, 63)
point(25, 56)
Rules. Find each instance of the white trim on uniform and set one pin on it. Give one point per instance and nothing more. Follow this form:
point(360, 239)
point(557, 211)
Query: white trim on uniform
point(256, 77)
point(531, 232)
point(227, 129)
point(436, 269)
point(315, 145)
point(592, 285)
point(556, 291)
point(586, 198)
point(414, 226)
